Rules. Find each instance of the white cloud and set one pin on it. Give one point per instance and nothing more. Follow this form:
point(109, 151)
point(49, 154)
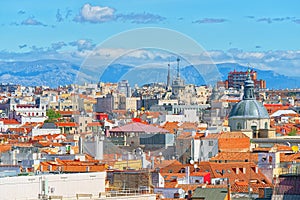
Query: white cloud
point(140, 18)
point(95, 14)
point(32, 21)
point(83, 44)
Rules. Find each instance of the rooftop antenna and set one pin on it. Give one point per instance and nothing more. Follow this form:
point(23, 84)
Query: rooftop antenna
point(178, 71)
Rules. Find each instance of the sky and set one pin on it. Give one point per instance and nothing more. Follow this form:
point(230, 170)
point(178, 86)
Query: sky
point(262, 33)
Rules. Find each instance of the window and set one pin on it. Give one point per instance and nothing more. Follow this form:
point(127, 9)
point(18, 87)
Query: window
point(209, 154)
point(239, 126)
point(266, 125)
point(210, 143)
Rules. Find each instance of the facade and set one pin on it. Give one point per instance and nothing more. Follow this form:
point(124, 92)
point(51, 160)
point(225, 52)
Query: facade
point(236, 80)
point(208, 147)
point(124, 88)
point(59, 185)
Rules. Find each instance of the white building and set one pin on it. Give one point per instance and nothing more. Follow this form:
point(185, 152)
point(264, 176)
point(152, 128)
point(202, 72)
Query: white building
point(63, 185)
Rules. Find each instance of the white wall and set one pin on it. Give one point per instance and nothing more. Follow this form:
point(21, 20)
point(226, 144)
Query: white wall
point(66, 185)
point(37, 119)
point(45, 131)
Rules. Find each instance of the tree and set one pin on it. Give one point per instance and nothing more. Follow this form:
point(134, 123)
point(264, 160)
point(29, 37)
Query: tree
point(293, 132)
point(52, 115)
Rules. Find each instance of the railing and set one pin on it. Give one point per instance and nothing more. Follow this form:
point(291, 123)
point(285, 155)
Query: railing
point(293, 170)
point(127, 192)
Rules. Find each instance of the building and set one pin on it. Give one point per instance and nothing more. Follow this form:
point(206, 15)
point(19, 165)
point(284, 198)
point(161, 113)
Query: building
point(236, 80)
point(249, 115)
point(53, 186)
point(124, 88)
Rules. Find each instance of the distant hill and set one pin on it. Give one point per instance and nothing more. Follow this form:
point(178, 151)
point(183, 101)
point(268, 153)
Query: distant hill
point(59, 72)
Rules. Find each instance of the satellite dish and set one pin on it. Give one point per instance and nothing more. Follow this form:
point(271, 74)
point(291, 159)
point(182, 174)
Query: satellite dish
point(192, 162)
point(195, 166)
point(180, 191)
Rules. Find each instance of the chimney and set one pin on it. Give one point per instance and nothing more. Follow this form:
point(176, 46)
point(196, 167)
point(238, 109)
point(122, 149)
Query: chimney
point(152, 162)
point(244, 170)
point(187, 174)
point(80, 144)
point(256, 169)
point(236, 170)
point(228, 192)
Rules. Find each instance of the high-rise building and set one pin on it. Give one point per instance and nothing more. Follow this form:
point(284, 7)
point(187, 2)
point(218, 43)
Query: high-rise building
point(236, 80)
point(124, 88)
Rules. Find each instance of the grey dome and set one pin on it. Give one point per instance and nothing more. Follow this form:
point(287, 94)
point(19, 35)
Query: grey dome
point(249, 109)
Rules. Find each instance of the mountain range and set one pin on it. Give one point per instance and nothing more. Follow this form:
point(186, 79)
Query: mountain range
point(59, 72)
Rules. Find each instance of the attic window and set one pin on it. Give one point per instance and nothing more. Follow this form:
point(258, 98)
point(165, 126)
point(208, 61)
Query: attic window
point(182, 170)
point(170, 171)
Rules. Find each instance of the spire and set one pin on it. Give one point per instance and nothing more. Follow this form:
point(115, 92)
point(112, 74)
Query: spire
point(249, 87)
point(168, 77)
point(178, 71)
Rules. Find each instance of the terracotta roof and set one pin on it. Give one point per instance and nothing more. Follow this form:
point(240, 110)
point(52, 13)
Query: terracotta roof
point(290, 157)
point(171, 184)
point(235, 142)
point(67, 112)
point(280, 147)
point(66, 124)
point(171, 126)
point(236, 157)
point(263, 149)
point(233, 135)
point(94, 124)
point(72, 166)
point(10, 121)
point(187, 187)
point(237, 172)
point(5, 148)
point(172, 176)
point(167, 163)
point(184, 135)
point(20, 130)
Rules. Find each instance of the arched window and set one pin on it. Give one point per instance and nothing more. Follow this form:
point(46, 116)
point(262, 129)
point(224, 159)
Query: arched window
point(239, 126)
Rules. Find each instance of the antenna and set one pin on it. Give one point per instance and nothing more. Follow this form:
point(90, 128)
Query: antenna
point(168, 77)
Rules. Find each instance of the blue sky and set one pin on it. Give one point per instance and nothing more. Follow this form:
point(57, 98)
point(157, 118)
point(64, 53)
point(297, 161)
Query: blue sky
point(265, 33)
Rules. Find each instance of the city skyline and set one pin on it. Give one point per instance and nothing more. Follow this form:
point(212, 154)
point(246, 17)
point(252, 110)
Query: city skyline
point(261, 34)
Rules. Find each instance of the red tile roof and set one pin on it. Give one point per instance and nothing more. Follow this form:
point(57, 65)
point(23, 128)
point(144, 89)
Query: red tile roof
point(5, 148)
point(10, 121)
point(94, 124)
point(66, 124)
point(235, 157)
point(72, 166)
point(237, 172)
